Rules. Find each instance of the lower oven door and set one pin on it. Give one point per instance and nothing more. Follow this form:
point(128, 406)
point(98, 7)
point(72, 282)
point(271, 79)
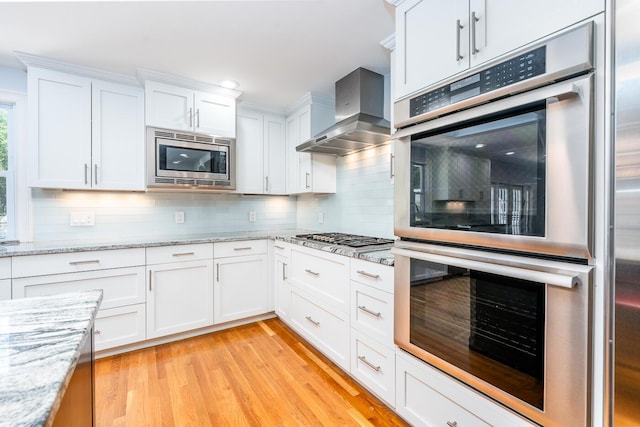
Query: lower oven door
point(516, 329)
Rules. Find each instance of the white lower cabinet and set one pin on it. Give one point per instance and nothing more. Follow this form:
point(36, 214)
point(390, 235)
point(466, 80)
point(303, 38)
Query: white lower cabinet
point(5, 289)
point(119, 326)
point(179, 297)
point(374, 365)
point(426, 397)
point(5, 278)
point(241, 280)
point(325, 329)
point(282, 288)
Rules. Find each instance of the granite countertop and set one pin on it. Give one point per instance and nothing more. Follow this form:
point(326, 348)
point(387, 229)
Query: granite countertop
point(38, 248)
point(41, 339)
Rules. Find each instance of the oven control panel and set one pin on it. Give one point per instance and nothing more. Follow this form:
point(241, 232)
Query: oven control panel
point(522, 67)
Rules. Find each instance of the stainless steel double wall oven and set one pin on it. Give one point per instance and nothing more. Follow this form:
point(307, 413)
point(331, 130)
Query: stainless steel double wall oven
point(493, 200)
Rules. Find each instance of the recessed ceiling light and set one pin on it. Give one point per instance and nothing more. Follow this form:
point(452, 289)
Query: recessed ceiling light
point(510, 153)
point(480, 145)
point(229, 84)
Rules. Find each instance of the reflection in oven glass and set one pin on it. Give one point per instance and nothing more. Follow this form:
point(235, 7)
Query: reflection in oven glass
point(488, 325)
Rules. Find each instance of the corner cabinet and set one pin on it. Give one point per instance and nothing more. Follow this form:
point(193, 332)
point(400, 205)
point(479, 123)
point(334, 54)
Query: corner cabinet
point(84, 133)
point(179, 288)
point(309, 172)
point(182, 108)
point(241, 280)
point(436, 40)
point(261, 153)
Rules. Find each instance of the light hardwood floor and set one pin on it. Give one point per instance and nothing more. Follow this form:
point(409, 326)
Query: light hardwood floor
point(261, 374)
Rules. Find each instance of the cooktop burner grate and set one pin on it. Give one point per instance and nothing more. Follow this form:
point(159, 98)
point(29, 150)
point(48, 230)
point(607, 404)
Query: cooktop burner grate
point(343, 239)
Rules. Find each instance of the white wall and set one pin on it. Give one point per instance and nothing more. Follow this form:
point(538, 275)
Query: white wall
point(13, 80)
point(363, 203)
point(130, 215)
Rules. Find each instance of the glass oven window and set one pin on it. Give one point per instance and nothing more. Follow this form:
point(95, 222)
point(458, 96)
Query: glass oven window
point(488, 325)
point(486, 175)
point(173, 158)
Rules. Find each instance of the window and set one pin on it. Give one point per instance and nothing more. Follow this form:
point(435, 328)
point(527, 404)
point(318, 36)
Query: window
point(7, 229)
point(14, 194)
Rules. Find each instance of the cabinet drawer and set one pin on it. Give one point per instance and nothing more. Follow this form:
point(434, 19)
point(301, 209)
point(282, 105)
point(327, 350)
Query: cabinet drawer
point(5, 289)
point(325, 276)
point(239, 248)
point(179, 253)
point(376, 275)
point(374, 366)
point(119, 326)
point(281, 248)
point(120, 286)
point(425, 396)
point(38, 265)
point(326, 331)
point(372, 312)
point(5, 268)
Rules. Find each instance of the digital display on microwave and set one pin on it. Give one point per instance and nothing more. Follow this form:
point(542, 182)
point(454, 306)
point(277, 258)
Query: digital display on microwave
point(191, 160)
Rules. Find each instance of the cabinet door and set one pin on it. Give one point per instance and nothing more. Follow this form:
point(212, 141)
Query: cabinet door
point(118, 149)
point(60, 129)
point(250, 152)
point(179, 297)
point(240, 288)
point(282, 287)
point(505, 25)
point(304, 159)
point(5, 289)
point(430, 45)
point(275, 155)
point(168, 106)
point(293, 161)
point(214, 115)
point(119, 326)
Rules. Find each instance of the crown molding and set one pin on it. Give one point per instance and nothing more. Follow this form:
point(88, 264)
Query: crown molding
point(395, 3)
point(156, 76)
point(389, 42)
point(53, 64)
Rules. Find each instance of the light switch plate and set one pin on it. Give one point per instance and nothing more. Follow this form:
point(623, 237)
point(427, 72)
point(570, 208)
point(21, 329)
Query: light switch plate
point(321, 217)
point(82, 219)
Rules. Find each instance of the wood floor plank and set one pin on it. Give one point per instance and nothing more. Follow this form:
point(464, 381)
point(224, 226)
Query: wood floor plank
point(253, 375)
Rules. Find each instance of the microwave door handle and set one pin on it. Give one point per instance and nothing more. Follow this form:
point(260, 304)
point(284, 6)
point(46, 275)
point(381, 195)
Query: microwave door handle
point(556, 279)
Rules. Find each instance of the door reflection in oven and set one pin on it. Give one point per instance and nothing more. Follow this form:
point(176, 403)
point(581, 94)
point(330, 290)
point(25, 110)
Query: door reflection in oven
point(488, 325)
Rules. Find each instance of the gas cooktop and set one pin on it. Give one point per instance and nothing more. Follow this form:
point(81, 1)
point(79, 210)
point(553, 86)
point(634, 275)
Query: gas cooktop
point(353, 241)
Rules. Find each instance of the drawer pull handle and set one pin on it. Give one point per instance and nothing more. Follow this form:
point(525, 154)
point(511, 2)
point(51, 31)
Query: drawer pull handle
point(366, 310)
point(284, 271)
point(183, 254)
point(245, 248)
point(97, 332)
point(312, 272)
point(218, 272)
point(89, 261)
point(150, 274)
point(369, 364)
point(278, 247)
point(364, 273)
point(312, 321)
point(452, 423)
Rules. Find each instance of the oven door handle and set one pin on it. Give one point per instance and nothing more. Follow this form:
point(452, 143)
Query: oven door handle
point(556, 279)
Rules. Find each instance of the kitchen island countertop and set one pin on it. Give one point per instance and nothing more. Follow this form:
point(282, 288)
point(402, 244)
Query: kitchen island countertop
point(41, 339)
point(38, 248)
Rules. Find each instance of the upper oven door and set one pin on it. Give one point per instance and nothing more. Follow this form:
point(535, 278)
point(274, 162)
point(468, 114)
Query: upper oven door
point(513, 174)
point(179, 159)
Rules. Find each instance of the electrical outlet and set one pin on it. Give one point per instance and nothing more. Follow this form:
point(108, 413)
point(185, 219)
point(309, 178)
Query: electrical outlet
point(179, 217)
point(252, 216)
point(321, 217)
point(82, 219)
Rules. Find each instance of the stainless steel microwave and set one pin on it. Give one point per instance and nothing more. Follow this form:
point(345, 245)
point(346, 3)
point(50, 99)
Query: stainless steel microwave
point(189, 161)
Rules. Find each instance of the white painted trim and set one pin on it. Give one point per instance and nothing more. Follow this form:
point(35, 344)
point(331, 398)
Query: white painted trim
point(395, 3)
point(52, 64)
point(311, 98)
point(145, 74)
point(23, 229)
point(389, 42)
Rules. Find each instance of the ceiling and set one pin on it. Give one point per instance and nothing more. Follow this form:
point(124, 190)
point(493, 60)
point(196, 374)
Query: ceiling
point(276, 49)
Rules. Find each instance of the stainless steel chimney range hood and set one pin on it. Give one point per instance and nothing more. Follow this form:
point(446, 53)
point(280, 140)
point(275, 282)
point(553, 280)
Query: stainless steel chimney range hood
point(359, 122)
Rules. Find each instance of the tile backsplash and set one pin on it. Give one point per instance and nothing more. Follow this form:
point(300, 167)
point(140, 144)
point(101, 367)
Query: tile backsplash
point(363, 204)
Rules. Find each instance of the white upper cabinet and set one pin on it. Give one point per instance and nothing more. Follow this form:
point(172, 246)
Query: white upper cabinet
point(72, 153)
point(436, 40)
point(180, 108)
point(261, 153)
point(309, 172)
